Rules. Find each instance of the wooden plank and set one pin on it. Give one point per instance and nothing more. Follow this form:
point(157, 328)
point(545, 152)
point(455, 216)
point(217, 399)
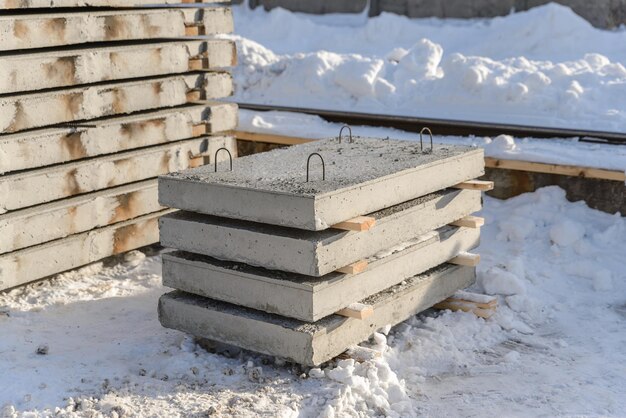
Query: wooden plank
point(24, 228)
point(454, 306)
point(270, 138)
point(357, 310)
point(30, 4)
point(46, 30)
point(31, 72)
point(34, 263)
point(563, 170)
point(360, 223)
point(470, 222)
point(34, 149)
point(43, 185)
point(482, 185)
point(354, 268)
point(36, 110)
point(466, 259)
point(359, 354)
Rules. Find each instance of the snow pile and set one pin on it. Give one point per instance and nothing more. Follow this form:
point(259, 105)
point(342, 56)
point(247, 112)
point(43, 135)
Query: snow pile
point(545, 67)
point(550, 151)
point(89, 342)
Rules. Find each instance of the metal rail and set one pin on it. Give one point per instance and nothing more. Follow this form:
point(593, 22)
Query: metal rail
point(446, 126)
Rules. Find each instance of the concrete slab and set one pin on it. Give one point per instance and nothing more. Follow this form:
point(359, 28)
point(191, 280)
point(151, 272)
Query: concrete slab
point(308, 252)
point(310, 344)
point(23, 72)
point(34, 149)
point(45, 30)
point(36, 225)
point(306, 298)
point(361, 177)
point(30, 4)
point(29, 188)
point(36, 110)
point(34, 263)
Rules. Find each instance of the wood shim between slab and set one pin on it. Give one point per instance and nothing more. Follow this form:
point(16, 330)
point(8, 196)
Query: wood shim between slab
point(560, 169)
point(357, 310)
point(360, 223)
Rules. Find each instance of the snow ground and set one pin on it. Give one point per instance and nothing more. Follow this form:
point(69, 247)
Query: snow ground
point(550, 151)
point(554, 347)
point(544, 67)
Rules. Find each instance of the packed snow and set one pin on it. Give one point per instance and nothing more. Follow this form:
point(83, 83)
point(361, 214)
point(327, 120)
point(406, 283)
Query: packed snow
point(543, 67)
point(88, 342)
point(549, 151)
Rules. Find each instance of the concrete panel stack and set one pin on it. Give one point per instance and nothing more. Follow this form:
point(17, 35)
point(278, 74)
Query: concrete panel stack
point(304, 251)
point(97, 99)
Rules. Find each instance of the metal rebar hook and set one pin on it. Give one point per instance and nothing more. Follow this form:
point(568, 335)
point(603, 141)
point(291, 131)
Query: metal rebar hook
point(349, 132)
point(431, 139)
point(229, 156)
point(308, 164)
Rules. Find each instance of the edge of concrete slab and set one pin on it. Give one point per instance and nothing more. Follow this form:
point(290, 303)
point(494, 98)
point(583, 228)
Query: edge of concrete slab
point(313, 253)
point(304, 343)
point(306, 298)
point(314, 205)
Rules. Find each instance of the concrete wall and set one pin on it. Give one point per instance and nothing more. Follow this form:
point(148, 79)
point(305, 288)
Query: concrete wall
point(601, 13)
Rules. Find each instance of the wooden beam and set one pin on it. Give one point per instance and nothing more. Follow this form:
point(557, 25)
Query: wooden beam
point(354, 268)
point(454, 306)
point(563, 170)
point(470, 222)
point(196, 64)
point(357, 310)
point(360, 223)
point(194, 30)
point(481, 185)
point(359, 354)
point(270, 138)
point(466, 259)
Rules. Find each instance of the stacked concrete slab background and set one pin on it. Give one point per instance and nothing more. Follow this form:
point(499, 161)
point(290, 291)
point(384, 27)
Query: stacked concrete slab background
point(296, 258)
point(98, 98)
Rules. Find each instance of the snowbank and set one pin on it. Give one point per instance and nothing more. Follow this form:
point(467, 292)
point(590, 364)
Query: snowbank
point(554, 347)
point(544, 67)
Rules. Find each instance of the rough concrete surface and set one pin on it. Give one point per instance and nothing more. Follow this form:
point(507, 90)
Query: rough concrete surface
point(19, 4)
point(361, 177)
point(26, 31)
point(39, 224)
point(308, 252)
point(42, 185)
point(33, 149)
point(34, 263)
point(309, 344)
point(35, 110)
point(24, 72)
point(306, 298)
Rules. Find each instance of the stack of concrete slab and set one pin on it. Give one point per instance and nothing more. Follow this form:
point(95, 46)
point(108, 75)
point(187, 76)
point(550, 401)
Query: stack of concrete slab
point(304, 251)
point(98, 98)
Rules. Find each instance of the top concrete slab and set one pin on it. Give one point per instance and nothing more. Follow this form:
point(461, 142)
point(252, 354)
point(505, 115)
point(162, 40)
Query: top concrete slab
point(360, 177)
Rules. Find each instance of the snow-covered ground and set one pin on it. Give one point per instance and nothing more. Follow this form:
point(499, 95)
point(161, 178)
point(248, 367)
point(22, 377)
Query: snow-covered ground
point(543, 67)
point(555, 346)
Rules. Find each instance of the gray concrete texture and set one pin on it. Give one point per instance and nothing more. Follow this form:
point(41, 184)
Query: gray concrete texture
point(45, 30)
point(304, 343)
point(49, 146)
point(313, 253)
point(306, 298)
point(600, 13)
point(31, 72)
point(360, 177)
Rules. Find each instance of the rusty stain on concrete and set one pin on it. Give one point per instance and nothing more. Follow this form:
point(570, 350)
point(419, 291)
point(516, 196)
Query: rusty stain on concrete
point(73, 144)
point(72, 187)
